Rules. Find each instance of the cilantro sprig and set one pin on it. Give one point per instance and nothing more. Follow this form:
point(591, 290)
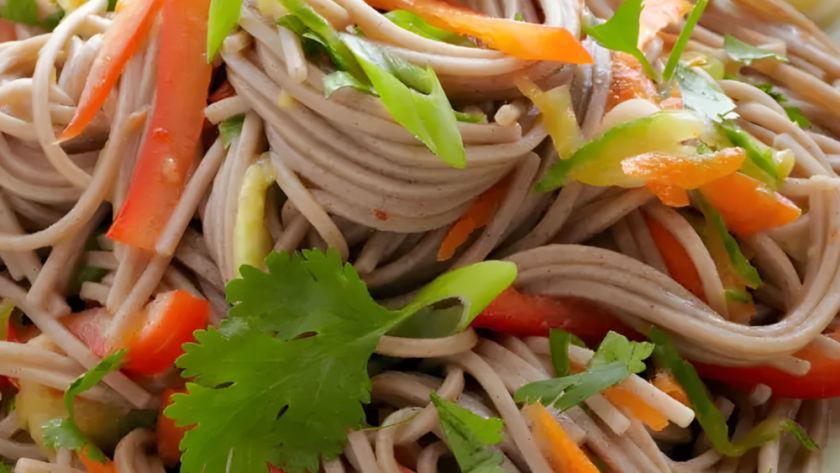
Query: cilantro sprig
point(794, 113)
point(64, 432)
point(616, 359)
point(285, 375)
point(470, 436)
point(747, 53)
point(621, 33)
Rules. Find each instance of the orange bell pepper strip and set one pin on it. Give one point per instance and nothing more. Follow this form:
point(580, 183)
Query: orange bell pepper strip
point(747, 205)
point(475, 217)
point(173, 317)
point(641, 410)
point(668, 176)
point(666, 382)
point(676, 259)
point(120, 42)
point(169, 435)
point(628, 81)
point(515, 38)
point(94, 466)
point(562, 453)
point(168, 152)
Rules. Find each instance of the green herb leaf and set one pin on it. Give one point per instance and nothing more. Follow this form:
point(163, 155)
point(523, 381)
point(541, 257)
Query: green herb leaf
point(417, 25)
point(309, 321)
point(53, 19)
point(4, 468)
point(616, 347)
point(414, 97)
point(682, 40)
point(231, 128)
point(92, 274)
point(709, 417)
point(621, 33)
point(20, 11)
point(703, 96)
point(559, 341)
point(224, 15)
point(747, 53)
point(728, 76)
point(703, 148)
point(616, 359)
point(739, 261)
point(469, 436)
point(768, 89)
point(518, 17)
point(6, 309)
point(64, 433)
point(795, 115)
point(737, 295)
point(90, 379)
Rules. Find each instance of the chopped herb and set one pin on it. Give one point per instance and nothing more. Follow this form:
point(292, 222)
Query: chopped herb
point(469, 436)
point(739, 261)
point(737, 295)
point(92, 274)
point(621, 33)
point(52, 20)
point(231, 128)
point(90, 379)
point(768, 89)
point(616, 359)
point(746, 53)
point(340, 79)
point(703, 148)
point(682, 40)
point(308, 303)
point(4, 468)
point(795, 115)
point(20, 11)
point(709, 417)
point(728, 76)
point(703, 96)
point(518, 17)
point(417, 25)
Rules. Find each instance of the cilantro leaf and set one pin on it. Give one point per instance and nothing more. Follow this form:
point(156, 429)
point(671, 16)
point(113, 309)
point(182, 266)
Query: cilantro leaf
point(702, 96)
point(311, 323)
point(20, 11)
point(709, 417)
point(621, 33)
point(469, 436)
point(64, 433)
point(53, 19)
point(768, 89)
point(683, 38)
point(616, 359)
point(739, 261)
point(518, 17)
point(91, 378)
point(795, 115)
point(616, 347)
point(4, 468)
point(747, 53)
point(231, 128)
point(417, 25)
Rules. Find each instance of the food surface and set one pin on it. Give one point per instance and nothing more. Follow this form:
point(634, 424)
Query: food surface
point(399, 236)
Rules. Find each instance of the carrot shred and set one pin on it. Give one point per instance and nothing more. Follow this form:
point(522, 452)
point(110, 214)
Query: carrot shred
point(475, 217)
point(677, 261)
point(224, 91)
point(562, 453)
point(96, 467)
point(641, 410)
point(667, 383)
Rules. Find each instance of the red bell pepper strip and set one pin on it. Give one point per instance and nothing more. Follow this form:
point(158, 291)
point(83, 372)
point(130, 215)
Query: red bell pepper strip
point(515, 38)
point(120, 42)
point(173, 317)
point(524, 315)
point(820, 382)
point(169, 435)
point(183, 79)
point(224, 91)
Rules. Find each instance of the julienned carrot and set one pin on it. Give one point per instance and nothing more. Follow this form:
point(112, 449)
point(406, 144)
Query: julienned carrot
point(677, 261)
point(96, 467)
point(121, 41)
point(641, 410)
point(747, 205)
point(477, 216)
point(667, 383)
point(169, 435)
point(561, 452)
point(515, 38)
point(169, 149)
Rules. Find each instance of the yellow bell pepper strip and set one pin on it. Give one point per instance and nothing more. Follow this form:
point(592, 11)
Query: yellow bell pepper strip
point(252, 241)
point(558, 114)
point(747, 205)
point(514, 38)
point(119, 44)
point(168, 152)
point(669, 177)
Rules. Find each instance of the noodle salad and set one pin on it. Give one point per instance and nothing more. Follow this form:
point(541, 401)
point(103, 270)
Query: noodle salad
point(399, 236)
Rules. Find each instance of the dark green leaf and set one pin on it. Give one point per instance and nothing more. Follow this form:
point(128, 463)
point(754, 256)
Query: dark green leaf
point(737, 295)
point(768, 89)
point(20, 11)
point(703, 96)
point(469, 436)
point(90, 379)
point(565, 393)
point(795, 115)
point(52, 20)
point(682, 40)
point(64, 433)
point(92, 274)
point(417, 25)
point(739, 261)
point(621, 33)
point(746, 53)
point(231, 128)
